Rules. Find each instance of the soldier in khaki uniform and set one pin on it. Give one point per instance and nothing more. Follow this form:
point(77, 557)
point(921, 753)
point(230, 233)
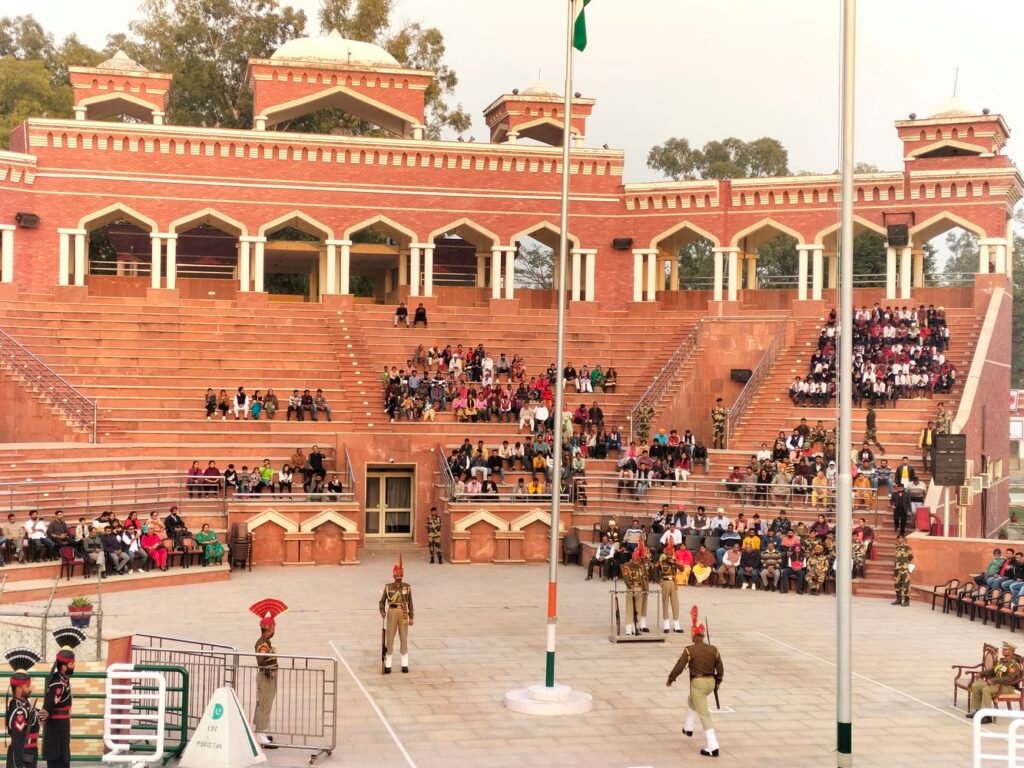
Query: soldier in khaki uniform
point(901, 572)
point(942, 420)
point(718, 417)
point(396, 609)
point(706, 673)
point(266, 681)
point(635, 574)
point(434, 535)
point(1003, 677)
point(667, 566)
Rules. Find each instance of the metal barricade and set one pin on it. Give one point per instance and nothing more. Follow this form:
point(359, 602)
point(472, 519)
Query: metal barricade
point(134, 715)
point(304, 714)
point(620, 619)
point(1009, 742)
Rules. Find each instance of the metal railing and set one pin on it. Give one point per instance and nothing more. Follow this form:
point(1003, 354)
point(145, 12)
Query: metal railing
point(445, 472)
point(759, 374)
point(350, 474)
point(51, 386)
point(87, 495)
point(667, 375)
point(143, 269)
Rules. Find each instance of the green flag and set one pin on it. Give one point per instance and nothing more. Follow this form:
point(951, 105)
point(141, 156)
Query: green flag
point(579, 30)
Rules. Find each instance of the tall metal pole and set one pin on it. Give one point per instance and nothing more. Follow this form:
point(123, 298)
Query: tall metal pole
point(844, 490)
point(563, 258)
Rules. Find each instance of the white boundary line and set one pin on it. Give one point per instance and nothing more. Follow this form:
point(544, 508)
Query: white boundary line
point(897, 691)
point(369, 698)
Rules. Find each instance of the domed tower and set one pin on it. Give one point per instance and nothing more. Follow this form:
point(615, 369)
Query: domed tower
point(954, 136)
point(308, 74)
point(536, 114)
point(120, 86)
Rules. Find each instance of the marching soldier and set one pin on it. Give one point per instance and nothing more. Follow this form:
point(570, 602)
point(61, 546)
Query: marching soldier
point(871, 429)
point(396, 609)
point(266, 683)
point(667, 567)
point(942, 420)
point(57, 701)
point(706, 673)
point(22, 718)
point(434, 535)
point(635, 575)
point(901, 572)
point(718, 417)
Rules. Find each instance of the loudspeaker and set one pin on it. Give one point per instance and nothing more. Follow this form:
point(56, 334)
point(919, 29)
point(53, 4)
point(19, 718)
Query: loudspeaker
point(897, 235)
point(950, 460)
point(741, 375)
point(622, 243)
point(27, 220)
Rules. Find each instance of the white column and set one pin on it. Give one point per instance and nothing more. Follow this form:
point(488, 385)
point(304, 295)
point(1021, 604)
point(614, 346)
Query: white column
point(496, 272)
point(638, 276)
point(577, 262)
point(172, 260)
point(1009, 246)
point(403, 266)
point(918, 268)
point(510, 273)
point(414, 273)
point(428, 270)
point(80, 268)
point(719, 256)
point(983, 257)
point(833, 270)
point(345, 268)
point(1000, 257)
point(905, 272)
point(652, 275)
point(589, 271)
point(154, 260)
point(801, 275)
point(62, 256)
point(7, 253)
point(751, 271)
point(257, 270)
point(734, 274)
point(244, 281)
point(890, 272)
point(818, 266)
point(330, 286)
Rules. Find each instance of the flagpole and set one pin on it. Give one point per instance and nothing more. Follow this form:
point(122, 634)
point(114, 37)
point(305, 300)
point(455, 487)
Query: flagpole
point(844, 496)
point(563, 258)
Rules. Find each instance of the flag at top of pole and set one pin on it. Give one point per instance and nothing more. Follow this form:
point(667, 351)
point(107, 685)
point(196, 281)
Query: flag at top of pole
point(579, 30)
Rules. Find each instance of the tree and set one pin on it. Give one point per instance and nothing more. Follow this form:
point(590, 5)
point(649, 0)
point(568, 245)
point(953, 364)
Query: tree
point(729, 158)
point(26, 90)
point(963, 254)
point(534, 267)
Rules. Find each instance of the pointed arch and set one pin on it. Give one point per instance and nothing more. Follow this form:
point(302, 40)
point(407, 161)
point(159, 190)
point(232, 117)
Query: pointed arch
point(343, 98)
point(275, 517)
point(972, 149)
point(111, 104)
point(768, 223)
point(685, 226)
point(543, 226)
point(209, 216)
point(480, 516)
point(380, 219)
point(941, 222)
point(330, 516)
point(466, 225)
point(537, 515)
point(299, 220)
point(116, 212)
point(819, 239)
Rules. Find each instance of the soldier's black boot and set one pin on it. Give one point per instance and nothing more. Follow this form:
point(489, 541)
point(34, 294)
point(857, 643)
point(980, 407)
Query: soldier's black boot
point(440, 560)
point(431, 559)
point(897, 601)
point(906, 603)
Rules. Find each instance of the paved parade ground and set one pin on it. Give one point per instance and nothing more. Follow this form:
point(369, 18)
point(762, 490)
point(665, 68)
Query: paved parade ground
point(479, 631)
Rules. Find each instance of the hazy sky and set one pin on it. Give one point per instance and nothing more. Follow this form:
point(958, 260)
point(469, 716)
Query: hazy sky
point(706, 69)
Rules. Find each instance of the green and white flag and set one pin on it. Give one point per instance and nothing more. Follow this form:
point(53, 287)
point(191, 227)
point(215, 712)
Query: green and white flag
point(579, 30)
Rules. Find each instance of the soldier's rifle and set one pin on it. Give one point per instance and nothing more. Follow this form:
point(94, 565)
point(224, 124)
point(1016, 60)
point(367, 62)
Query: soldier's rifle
point(615, 595)
point(383, 641)
point(707, 629)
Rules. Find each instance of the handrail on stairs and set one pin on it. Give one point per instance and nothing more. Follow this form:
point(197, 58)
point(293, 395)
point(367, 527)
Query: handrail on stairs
point(53, 387)
point(653, 394)
point(754, 382)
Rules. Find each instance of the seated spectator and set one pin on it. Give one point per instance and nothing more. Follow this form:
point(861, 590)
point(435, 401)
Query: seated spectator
point(175, 527)
point(730, 563)
point(781, 524)
point(264, 477)
point(57, 531)
point(817, 570)
point(633, 535)
point(750, 565)
point(294, 406)
point(334, 487)
point(402, 315)
point(246, 481)
point(771, 567)
point(794, 568)
point(223, 404)
point(271, 404)
point(241, 404)
point(153, 544)
point(684, 566)
point(213, 550)
point(321, 405)
point(131, 545)
point(40, 545)
point(820, 528)
point(284, 479)
point(256, 407)
point(610, 380)
point(993, 568)
point(703, 566)
point(194, 482)
point(211, 479)
point(307, 404)
point(230, 480)
point(92, 546)
point(114, 552)
point(419, 317)
point(211, 403)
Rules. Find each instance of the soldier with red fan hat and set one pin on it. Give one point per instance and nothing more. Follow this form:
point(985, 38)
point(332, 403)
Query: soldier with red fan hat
point(637, 578)
point(268, 610)
point(23, 719)
point(706, 672)
point(668, 566)
point(397, 612)
point(58, 697)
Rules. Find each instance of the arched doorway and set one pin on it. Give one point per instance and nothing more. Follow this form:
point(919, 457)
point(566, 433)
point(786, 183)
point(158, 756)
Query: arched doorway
point(686, 258)
point(769, 250)
point(536, 264)
point(294, 258)
point(466, 255)
point(202, 258)
point(114, 249)
point(384, 262)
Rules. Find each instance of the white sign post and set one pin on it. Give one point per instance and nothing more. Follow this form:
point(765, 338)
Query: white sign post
point(224, 738)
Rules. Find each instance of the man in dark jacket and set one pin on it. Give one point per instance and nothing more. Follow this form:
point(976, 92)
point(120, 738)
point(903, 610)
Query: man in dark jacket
point(900, 503)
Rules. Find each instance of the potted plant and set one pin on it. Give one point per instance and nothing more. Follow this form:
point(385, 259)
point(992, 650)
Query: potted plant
point(80, 609)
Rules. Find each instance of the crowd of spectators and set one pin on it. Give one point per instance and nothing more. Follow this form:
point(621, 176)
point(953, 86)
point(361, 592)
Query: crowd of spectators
point(897, 353)
point(258, 405)
point(475, 469)
point(738, 553)
point(263, 478)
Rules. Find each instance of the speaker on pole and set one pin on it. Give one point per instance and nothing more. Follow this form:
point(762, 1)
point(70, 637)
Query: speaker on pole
point(897, 235)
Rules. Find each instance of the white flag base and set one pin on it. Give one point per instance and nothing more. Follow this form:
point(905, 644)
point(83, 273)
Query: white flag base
point(542, 700)
point(224, 738)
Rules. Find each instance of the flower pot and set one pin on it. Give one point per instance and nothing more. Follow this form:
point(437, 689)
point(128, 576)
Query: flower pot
point(81, 616)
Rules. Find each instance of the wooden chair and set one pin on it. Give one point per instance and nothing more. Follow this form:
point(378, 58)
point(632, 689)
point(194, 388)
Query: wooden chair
point(1004, 611)
point(240, 553)
point(571, 548)
point(977, 600)
point(173, 553)
point(947, 592)
point(991, 605)
point(1016, 616)
point(965, 675)
point(68, 562)
point(192, 553)
point(964, 597)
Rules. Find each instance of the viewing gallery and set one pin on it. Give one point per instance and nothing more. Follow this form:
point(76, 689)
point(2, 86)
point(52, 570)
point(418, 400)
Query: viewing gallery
point(362, 320)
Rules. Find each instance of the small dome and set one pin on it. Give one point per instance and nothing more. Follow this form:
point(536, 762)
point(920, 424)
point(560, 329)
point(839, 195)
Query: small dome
point(335, 49)
point(953, 108)
point(122, 61)
point(538, 89)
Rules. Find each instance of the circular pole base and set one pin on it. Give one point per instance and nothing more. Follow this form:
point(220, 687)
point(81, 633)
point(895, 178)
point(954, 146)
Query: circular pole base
point(542, 700)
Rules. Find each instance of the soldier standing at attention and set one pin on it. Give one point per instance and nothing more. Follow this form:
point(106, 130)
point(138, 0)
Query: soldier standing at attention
point(901, 571)
point(667, 567)
point(706, 673)
point(871, 429)
point(266, 682)
point(22, 718)
point(942, 420)
point(396, 609)
point(634, 573)
point(57, 700)
point(434, 535)
point(718, 417)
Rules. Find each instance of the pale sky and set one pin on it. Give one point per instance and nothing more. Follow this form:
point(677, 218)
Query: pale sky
point(706, 69)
